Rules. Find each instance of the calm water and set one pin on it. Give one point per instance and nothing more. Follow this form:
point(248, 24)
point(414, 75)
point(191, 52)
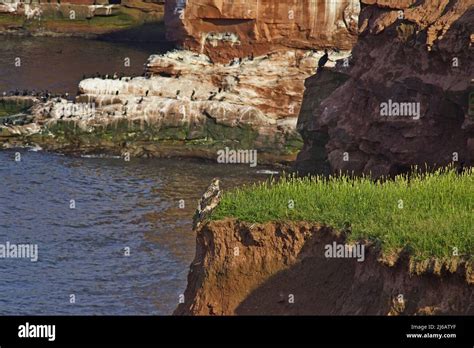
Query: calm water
point(58, 64)
point(81, 251)
point(118, 204)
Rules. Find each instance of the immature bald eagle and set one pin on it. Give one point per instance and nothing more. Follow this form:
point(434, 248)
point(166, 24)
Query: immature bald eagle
point(208, 202)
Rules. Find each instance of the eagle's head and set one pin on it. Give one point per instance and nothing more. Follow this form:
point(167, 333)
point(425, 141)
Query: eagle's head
point(215, 182)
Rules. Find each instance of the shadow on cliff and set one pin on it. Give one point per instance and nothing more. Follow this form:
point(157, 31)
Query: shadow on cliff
point(335, 122)
point(341, 286)
point(146, 33)
point(313, 156)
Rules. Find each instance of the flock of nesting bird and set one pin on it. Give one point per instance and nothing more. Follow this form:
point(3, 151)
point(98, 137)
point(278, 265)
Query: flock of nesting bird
point(44, 95)
point(212, 196)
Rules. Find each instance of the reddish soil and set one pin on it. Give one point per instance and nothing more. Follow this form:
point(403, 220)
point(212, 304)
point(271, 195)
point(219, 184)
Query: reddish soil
point(280, 269)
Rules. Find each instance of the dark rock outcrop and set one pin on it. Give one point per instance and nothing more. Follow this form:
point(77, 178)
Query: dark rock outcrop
point(409, 54)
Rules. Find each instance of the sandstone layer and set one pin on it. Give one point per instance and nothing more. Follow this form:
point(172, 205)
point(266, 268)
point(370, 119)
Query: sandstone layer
point(408, 53)
point(281, 269)
point(185, 105)
point(227, 29)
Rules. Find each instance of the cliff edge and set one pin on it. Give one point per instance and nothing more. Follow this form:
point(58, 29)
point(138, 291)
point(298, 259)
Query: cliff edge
point(283, 269)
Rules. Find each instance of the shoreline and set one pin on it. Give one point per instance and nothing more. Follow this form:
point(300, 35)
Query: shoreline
point(133, 20)
point(267, 161)
point(87, 36)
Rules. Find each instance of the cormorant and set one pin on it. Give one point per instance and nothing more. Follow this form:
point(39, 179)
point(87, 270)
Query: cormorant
point(146, 93)
point(192, 94)
point(323, 60)
point(460, 168)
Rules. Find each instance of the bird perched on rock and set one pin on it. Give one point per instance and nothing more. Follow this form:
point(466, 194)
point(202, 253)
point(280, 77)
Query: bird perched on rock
point(212, 95)
point(323, 60)
point(208, 202)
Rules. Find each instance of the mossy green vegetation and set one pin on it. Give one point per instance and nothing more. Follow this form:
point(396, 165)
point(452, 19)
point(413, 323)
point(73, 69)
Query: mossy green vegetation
point(59, 20)
point(428, 214)
point(8, 19)
point(210, 137)
point(10, 107)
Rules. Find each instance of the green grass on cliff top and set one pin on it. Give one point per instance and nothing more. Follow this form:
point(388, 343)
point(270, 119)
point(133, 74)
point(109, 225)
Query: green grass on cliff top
point(429, 214)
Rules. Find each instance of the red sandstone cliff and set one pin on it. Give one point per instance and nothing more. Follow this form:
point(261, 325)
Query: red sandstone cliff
point(281, 268)
point(226, 29)
point(407, 51)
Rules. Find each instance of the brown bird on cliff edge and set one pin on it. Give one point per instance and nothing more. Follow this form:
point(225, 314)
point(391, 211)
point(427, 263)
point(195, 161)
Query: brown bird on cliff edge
point(208, 202)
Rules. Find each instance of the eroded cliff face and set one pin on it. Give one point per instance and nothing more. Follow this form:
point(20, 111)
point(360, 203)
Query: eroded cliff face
point(226, 29)
point(407, 94)
point(184, 106)
point(281, 268)
point(192, 104)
